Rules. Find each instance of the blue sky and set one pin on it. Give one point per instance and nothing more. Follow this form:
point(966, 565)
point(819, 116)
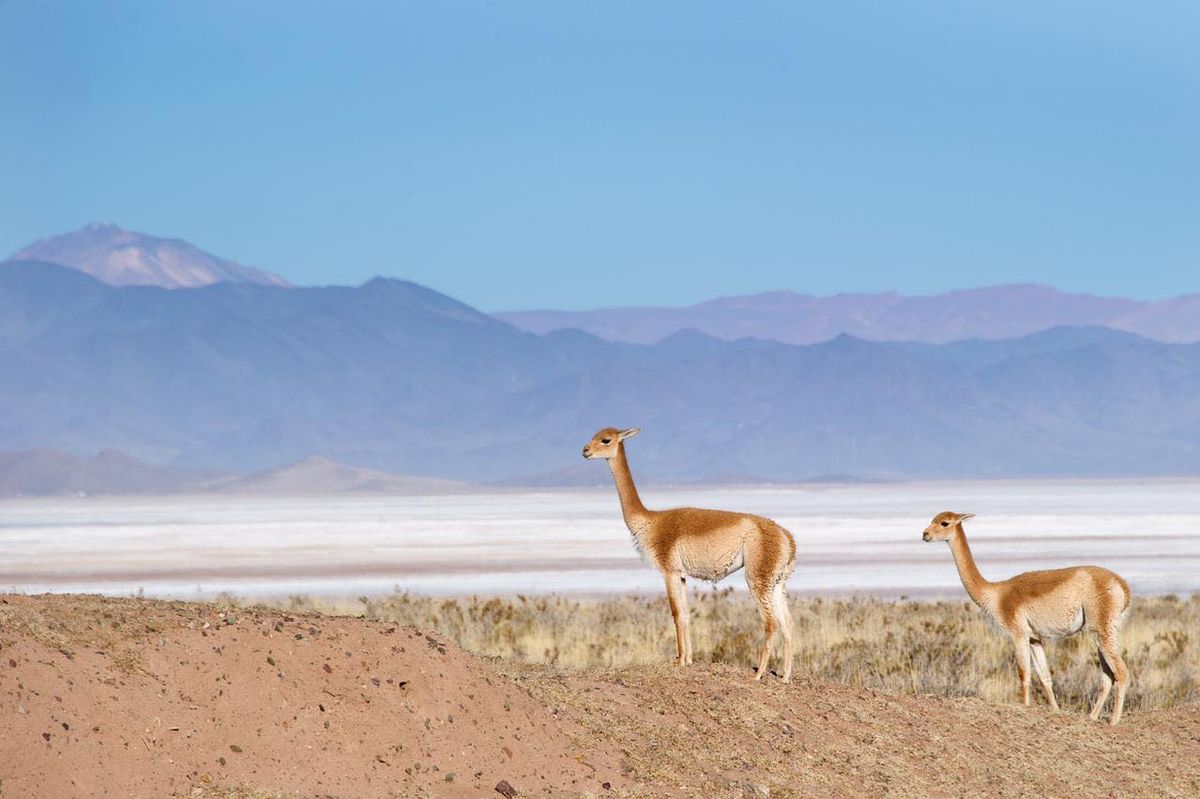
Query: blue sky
point(525, 155)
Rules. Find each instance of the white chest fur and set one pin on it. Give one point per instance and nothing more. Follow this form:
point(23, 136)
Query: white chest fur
point(639, 529)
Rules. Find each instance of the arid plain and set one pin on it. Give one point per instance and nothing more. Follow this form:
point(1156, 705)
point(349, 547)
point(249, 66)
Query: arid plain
point(331, 656)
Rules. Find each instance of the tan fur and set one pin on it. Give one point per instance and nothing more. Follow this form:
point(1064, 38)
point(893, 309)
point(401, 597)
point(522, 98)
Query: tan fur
point(1038, 606)
point(707, 545)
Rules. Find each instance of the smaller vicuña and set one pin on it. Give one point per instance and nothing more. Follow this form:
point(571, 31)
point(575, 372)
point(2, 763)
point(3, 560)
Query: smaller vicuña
point(1038, 606)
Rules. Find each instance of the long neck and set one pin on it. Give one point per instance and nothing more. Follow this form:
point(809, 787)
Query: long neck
point(631, 504)
point(972, 580)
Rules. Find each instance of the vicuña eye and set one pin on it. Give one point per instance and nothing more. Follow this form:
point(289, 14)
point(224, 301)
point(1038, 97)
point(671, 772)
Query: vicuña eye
point(606, 441)
point(945, 524)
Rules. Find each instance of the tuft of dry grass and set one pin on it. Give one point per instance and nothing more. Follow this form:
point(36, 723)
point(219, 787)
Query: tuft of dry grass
point(945, 648)
point(237, 792)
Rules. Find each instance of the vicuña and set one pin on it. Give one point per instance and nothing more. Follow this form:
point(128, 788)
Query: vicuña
point(1039, 606)
point(707, 545)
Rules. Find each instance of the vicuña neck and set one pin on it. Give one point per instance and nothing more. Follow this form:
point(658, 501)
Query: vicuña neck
point(968, 572)
point(631, 504)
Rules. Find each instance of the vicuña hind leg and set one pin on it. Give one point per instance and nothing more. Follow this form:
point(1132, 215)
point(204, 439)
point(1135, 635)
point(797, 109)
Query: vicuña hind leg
point(783, 612)
point(762, 593)
point(1111, 655)
point(1105, 687)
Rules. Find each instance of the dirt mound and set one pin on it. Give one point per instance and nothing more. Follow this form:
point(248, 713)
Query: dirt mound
point(108, 697)
point(711, 731)
point(105, 697)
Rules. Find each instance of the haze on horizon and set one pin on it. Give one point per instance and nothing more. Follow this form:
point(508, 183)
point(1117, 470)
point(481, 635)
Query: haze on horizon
point(549, 156)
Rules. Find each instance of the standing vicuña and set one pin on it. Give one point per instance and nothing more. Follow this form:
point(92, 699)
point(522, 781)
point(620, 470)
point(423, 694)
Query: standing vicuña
point(707, 545)
point(1037, 606)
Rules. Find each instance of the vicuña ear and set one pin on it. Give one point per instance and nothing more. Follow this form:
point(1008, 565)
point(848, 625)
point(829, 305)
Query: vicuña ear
point(962, 517)
point(630, 433)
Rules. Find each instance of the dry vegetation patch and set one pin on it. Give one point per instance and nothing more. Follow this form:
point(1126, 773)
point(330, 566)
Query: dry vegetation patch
point(946, 648)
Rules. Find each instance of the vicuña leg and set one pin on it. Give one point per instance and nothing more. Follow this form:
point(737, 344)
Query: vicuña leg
point(677, 596)
point(687, 622)
point(783, 612)
point(1021, 643)
point(1105, 686)
point(1111, 654)
point(1043, 671)
point(762, 595)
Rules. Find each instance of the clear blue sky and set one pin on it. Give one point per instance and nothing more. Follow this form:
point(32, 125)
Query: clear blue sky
point(522, 155)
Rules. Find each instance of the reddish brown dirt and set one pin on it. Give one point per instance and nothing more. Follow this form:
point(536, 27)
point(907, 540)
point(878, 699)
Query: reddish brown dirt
point(104, 697)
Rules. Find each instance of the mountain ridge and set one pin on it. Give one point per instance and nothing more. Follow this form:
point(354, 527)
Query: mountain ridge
point(990, 312)
point(50, 472)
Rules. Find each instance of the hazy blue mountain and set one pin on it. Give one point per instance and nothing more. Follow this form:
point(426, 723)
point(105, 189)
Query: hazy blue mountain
point(44, 472)
point(127, 258)
point(317, 475)
point(998, 312)
point(48, 472)
point(394, 377)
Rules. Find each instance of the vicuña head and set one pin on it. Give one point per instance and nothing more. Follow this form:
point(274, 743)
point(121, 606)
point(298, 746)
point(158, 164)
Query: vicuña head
point(1039, 606)
point(605, 443)
point(708, 545)
point(944, 525)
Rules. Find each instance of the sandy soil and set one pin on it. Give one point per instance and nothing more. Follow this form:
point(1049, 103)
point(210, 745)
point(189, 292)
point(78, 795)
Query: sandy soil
point(122, 697)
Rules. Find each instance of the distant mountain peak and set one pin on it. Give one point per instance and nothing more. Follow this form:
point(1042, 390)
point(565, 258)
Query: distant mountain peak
point(123, 257)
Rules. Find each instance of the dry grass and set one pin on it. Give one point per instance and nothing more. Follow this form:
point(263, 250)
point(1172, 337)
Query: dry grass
point(944, 648)
point(237, 792)
point(103, 627)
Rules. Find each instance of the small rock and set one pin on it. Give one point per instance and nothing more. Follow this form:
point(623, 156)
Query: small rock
point(237, 750)
point(327, 668)
point(606, 786)
point(505, 790)
point(12, 664)
point(46, 736)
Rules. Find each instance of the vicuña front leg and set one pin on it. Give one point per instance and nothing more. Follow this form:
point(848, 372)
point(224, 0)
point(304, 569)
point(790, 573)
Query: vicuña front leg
point(1021, 643)
point(677, 595)
point(1043, 671)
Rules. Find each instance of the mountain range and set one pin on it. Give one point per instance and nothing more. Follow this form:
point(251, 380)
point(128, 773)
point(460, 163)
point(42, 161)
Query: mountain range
point(239, 377)
point(49, 472)
point(995, 312)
